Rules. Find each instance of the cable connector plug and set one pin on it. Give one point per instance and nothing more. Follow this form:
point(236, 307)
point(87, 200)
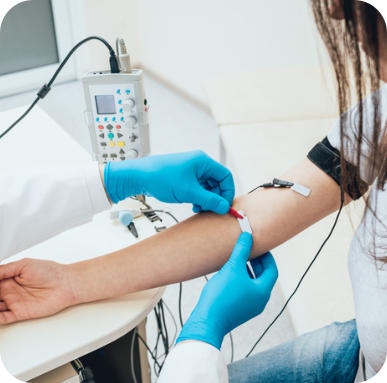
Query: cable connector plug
point(114, 68)
point(43, 91)
point(123, 56)
point(281, 183)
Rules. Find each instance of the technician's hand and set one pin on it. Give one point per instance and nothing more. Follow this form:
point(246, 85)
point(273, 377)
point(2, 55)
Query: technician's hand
point(33, 288)
point(231, 297)
point(191, 177)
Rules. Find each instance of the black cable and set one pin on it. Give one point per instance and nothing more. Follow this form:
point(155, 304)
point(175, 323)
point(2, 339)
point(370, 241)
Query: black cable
point(85, 374)
point(276, 183)
point(180, 301)
point(165, 328)
point(159, 312)
point(179, 304)
point(174, 324)
point(180, 284)
point(114, 68)
point(168, 213)
point(303, 275)
point(149, 350)
point(155, 348)
point(20, 118)
point(162, 329)
point(132, 370)
point(159, 334)
point(181, 292)
point(113, 65)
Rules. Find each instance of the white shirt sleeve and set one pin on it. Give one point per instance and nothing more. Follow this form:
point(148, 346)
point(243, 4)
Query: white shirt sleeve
point(38, 204)
point(192, 362)
point(351, 131)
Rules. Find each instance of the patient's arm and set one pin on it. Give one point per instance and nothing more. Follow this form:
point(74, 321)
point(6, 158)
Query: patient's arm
point(203, 243)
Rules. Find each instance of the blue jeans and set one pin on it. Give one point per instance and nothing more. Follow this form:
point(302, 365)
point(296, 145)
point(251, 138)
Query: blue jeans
point(328, 355)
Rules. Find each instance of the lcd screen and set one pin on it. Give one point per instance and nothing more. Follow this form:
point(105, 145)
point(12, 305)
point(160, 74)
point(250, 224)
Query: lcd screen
point(105, 104)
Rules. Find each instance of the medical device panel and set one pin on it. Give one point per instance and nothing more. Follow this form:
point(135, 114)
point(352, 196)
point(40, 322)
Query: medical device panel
point(117, 115)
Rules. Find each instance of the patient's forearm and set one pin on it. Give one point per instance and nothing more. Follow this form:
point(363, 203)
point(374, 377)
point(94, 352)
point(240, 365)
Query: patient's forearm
point(204, 242)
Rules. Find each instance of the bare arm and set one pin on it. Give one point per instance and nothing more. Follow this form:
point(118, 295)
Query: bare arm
point(203, 243)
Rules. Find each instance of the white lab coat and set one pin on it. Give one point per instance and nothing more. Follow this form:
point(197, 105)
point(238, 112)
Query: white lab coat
point(38, 204)
point(194, 362)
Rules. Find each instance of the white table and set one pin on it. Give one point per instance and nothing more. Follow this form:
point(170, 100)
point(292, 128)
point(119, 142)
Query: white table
point(29, 349)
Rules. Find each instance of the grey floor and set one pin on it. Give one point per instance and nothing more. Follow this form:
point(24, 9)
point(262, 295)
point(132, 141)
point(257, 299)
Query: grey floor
point(176, 125)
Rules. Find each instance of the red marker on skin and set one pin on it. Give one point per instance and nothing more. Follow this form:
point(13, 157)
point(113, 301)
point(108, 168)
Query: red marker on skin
point(234, 213)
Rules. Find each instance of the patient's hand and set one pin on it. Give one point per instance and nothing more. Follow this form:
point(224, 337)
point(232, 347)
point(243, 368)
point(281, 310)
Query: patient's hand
point(33, 288)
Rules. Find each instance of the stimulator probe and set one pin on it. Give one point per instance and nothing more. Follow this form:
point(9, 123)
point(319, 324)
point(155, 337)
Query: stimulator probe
point(117, 112)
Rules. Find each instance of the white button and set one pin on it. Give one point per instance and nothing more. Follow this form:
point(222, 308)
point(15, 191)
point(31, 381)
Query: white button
point(128, 104)
point(132, 153)
point(130, 122)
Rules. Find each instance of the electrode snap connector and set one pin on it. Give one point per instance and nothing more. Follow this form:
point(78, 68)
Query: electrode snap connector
point(281, 184)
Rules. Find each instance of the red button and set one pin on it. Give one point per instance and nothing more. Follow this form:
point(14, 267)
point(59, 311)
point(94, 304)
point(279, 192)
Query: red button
point(118, 126)
point(100, 127)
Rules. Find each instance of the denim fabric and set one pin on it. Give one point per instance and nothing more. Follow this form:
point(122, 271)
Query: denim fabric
point(328, 355)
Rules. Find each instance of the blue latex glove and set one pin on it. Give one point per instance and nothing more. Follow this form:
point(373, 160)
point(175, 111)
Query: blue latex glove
point(231, 297)
point(191, 177)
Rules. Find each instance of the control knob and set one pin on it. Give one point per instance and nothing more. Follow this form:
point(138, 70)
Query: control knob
point(128, 104)
point(132, 153)
point(131, 121)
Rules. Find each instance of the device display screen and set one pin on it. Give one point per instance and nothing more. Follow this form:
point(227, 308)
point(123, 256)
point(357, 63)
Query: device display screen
point(105, 104)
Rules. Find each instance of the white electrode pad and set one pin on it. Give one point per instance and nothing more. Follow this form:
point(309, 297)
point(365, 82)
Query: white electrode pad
point(244, 223)
point(246, 228)
point(303, 190)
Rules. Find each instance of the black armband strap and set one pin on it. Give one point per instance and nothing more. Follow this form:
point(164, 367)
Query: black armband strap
point(328, 159)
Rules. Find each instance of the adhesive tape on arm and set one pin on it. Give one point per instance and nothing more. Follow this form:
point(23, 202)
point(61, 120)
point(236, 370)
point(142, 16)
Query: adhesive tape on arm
point(244, 223)
point(246, 228)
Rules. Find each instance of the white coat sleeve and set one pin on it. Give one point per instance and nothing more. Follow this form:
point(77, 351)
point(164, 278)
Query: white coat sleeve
point(38, 204)
point(192, 362)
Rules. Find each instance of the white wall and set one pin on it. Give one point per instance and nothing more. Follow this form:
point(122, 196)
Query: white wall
point(186, 42)
point(108, 19)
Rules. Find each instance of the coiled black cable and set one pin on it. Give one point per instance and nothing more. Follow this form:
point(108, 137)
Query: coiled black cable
point(114, 68)
point(304, 274)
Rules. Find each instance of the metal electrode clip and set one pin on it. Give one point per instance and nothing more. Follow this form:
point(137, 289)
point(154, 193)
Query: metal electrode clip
point(281, 184)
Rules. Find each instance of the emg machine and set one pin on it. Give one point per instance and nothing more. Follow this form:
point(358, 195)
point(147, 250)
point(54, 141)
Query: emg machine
point(116, 107)
point(117, 115)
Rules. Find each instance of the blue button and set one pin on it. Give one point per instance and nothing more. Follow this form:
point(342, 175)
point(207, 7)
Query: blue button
point(113, 119)
point(122, 118)
point(118, 91)
point(97, 119)
point(105, 119)
point(121, 110)
point(120, 102)
point(127, 91)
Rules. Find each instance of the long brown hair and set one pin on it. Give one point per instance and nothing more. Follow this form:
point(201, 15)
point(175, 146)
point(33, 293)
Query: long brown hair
point(343, 25)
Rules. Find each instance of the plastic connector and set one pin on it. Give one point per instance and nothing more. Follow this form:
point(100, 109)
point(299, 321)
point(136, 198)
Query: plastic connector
point(234, 213)
point(124, 57)
point(282, 183)
point(43, 91)
point(114, 68)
